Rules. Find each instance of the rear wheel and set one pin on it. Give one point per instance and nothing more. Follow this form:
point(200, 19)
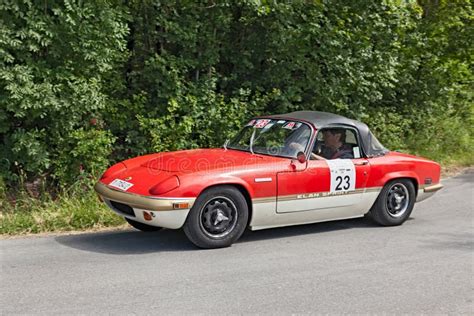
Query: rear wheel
point(141, 226)
point(395, 203)
point(218, 218)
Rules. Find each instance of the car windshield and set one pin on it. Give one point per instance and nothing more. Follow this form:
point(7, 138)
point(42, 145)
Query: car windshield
point(272, 137)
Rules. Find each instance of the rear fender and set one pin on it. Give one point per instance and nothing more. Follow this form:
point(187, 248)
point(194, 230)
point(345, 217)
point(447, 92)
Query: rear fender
point(400, 174)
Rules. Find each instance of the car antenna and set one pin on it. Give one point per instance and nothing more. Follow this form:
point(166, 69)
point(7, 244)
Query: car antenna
point(225, 144)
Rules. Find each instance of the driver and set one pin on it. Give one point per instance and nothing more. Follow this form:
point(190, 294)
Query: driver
point(334, 146)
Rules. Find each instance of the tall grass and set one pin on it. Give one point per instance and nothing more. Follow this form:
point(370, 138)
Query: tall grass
point(75, 208)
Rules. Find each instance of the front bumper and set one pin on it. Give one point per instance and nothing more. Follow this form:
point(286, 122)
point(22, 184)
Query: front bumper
point(161, 212)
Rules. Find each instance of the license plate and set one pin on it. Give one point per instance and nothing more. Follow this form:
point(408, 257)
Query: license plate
point(120, 184)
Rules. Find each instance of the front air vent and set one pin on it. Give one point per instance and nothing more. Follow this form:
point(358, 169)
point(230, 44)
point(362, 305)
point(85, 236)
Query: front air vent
point(122, 208)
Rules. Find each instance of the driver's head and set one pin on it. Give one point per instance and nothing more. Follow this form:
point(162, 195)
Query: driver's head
point(334, 136)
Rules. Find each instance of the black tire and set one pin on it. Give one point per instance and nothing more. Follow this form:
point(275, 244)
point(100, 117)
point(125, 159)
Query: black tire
point(142, 227)
point(394, 203)
point(218, 217)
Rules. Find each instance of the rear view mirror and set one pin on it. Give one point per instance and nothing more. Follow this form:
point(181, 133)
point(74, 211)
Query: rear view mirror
point(301, 157)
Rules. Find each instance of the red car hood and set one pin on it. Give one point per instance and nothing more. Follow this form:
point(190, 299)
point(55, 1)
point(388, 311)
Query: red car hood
point(192, 167)
point(202, 160)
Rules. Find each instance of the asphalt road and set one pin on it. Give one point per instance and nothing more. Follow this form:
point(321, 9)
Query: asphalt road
point(351, 266)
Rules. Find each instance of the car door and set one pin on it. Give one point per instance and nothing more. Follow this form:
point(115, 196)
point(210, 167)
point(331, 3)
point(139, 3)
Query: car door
point(323, 185)
point(338, 185)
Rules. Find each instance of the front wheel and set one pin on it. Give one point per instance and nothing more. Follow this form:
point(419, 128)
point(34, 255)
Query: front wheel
point(394, 203)
point(218, 218)
point(141, 226)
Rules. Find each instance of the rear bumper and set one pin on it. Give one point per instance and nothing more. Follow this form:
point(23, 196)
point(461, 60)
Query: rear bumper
point(433, 188)
point(428, 191)
point(162, 211)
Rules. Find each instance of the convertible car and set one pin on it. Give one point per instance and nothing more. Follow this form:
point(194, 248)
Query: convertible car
point(279, 170)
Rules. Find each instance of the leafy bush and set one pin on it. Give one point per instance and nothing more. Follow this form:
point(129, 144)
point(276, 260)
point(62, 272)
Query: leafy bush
point(56, 58)
point(84, 152)
point(85, 84)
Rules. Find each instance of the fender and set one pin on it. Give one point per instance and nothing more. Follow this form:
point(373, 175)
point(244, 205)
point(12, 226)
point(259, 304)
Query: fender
point(229, 180)
point(399, 174)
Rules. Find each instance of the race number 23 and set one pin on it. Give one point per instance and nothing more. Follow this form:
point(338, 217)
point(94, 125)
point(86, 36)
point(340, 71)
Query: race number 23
point(340, 180)
point(343, 176)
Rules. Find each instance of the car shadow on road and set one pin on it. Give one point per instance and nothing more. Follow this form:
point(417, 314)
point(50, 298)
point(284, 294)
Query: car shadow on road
point(317, 228)
point(128, 242)
point(167, 240)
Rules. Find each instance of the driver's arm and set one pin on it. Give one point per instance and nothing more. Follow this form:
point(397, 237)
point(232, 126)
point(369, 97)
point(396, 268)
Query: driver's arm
point(317, 148)
point(317, 157)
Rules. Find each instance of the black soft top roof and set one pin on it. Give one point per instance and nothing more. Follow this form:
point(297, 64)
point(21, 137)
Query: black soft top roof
point(321, 119)
point(370, 144)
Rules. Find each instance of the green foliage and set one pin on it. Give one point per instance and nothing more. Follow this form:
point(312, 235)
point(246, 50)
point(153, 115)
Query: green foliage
point(83, 152)
point(55, 59)
point(201, 118)
point(87, 83)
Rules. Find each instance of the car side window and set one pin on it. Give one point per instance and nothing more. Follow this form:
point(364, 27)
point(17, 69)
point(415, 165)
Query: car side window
point(337, 143)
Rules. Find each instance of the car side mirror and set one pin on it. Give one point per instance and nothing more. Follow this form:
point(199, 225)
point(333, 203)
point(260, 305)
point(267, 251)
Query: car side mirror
point(301, 157)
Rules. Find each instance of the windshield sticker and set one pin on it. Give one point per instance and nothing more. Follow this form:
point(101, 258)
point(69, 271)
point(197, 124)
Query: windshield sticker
point(268, 126)
point(281, 122)
point(251, 123)
point(290, 125)
point(261, 123)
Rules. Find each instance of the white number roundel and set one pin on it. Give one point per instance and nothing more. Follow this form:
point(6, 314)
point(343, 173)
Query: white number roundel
point(343, 176)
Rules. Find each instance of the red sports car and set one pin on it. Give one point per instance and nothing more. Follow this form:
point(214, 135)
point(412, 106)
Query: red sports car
point(290, 169)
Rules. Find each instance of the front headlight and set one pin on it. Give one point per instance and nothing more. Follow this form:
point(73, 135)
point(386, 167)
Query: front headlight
point(164, 186)
point(115, 170)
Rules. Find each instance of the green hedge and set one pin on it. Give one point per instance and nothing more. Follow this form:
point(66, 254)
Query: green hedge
point(87, 83)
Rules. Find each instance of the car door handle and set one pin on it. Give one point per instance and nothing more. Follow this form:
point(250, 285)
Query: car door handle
point(361, 163)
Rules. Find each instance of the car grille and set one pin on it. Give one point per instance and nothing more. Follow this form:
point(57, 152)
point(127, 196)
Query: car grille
point(123, 208)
